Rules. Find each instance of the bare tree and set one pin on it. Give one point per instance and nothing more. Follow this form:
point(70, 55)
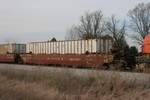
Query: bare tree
point(92, 25)
point(72, 33)
point(117, 30)
point(98, 23)
point(140, 21)
point(85, 29)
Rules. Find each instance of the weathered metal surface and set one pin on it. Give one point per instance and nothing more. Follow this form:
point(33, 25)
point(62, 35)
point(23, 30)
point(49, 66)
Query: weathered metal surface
point(71, 47)
point(90, 60)
point(4, 48)
point(12, 48)
point(7, 58)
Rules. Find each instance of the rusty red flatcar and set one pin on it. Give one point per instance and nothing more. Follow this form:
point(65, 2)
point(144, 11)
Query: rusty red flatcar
point(75, 60)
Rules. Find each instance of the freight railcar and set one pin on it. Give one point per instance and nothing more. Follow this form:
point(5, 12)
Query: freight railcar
point(83, 53)
point(73, 60)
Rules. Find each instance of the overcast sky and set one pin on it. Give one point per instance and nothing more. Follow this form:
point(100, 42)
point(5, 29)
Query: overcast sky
point(37, 20)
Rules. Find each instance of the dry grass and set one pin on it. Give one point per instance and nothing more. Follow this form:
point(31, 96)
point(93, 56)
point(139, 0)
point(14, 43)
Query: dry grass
point(62, 85)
